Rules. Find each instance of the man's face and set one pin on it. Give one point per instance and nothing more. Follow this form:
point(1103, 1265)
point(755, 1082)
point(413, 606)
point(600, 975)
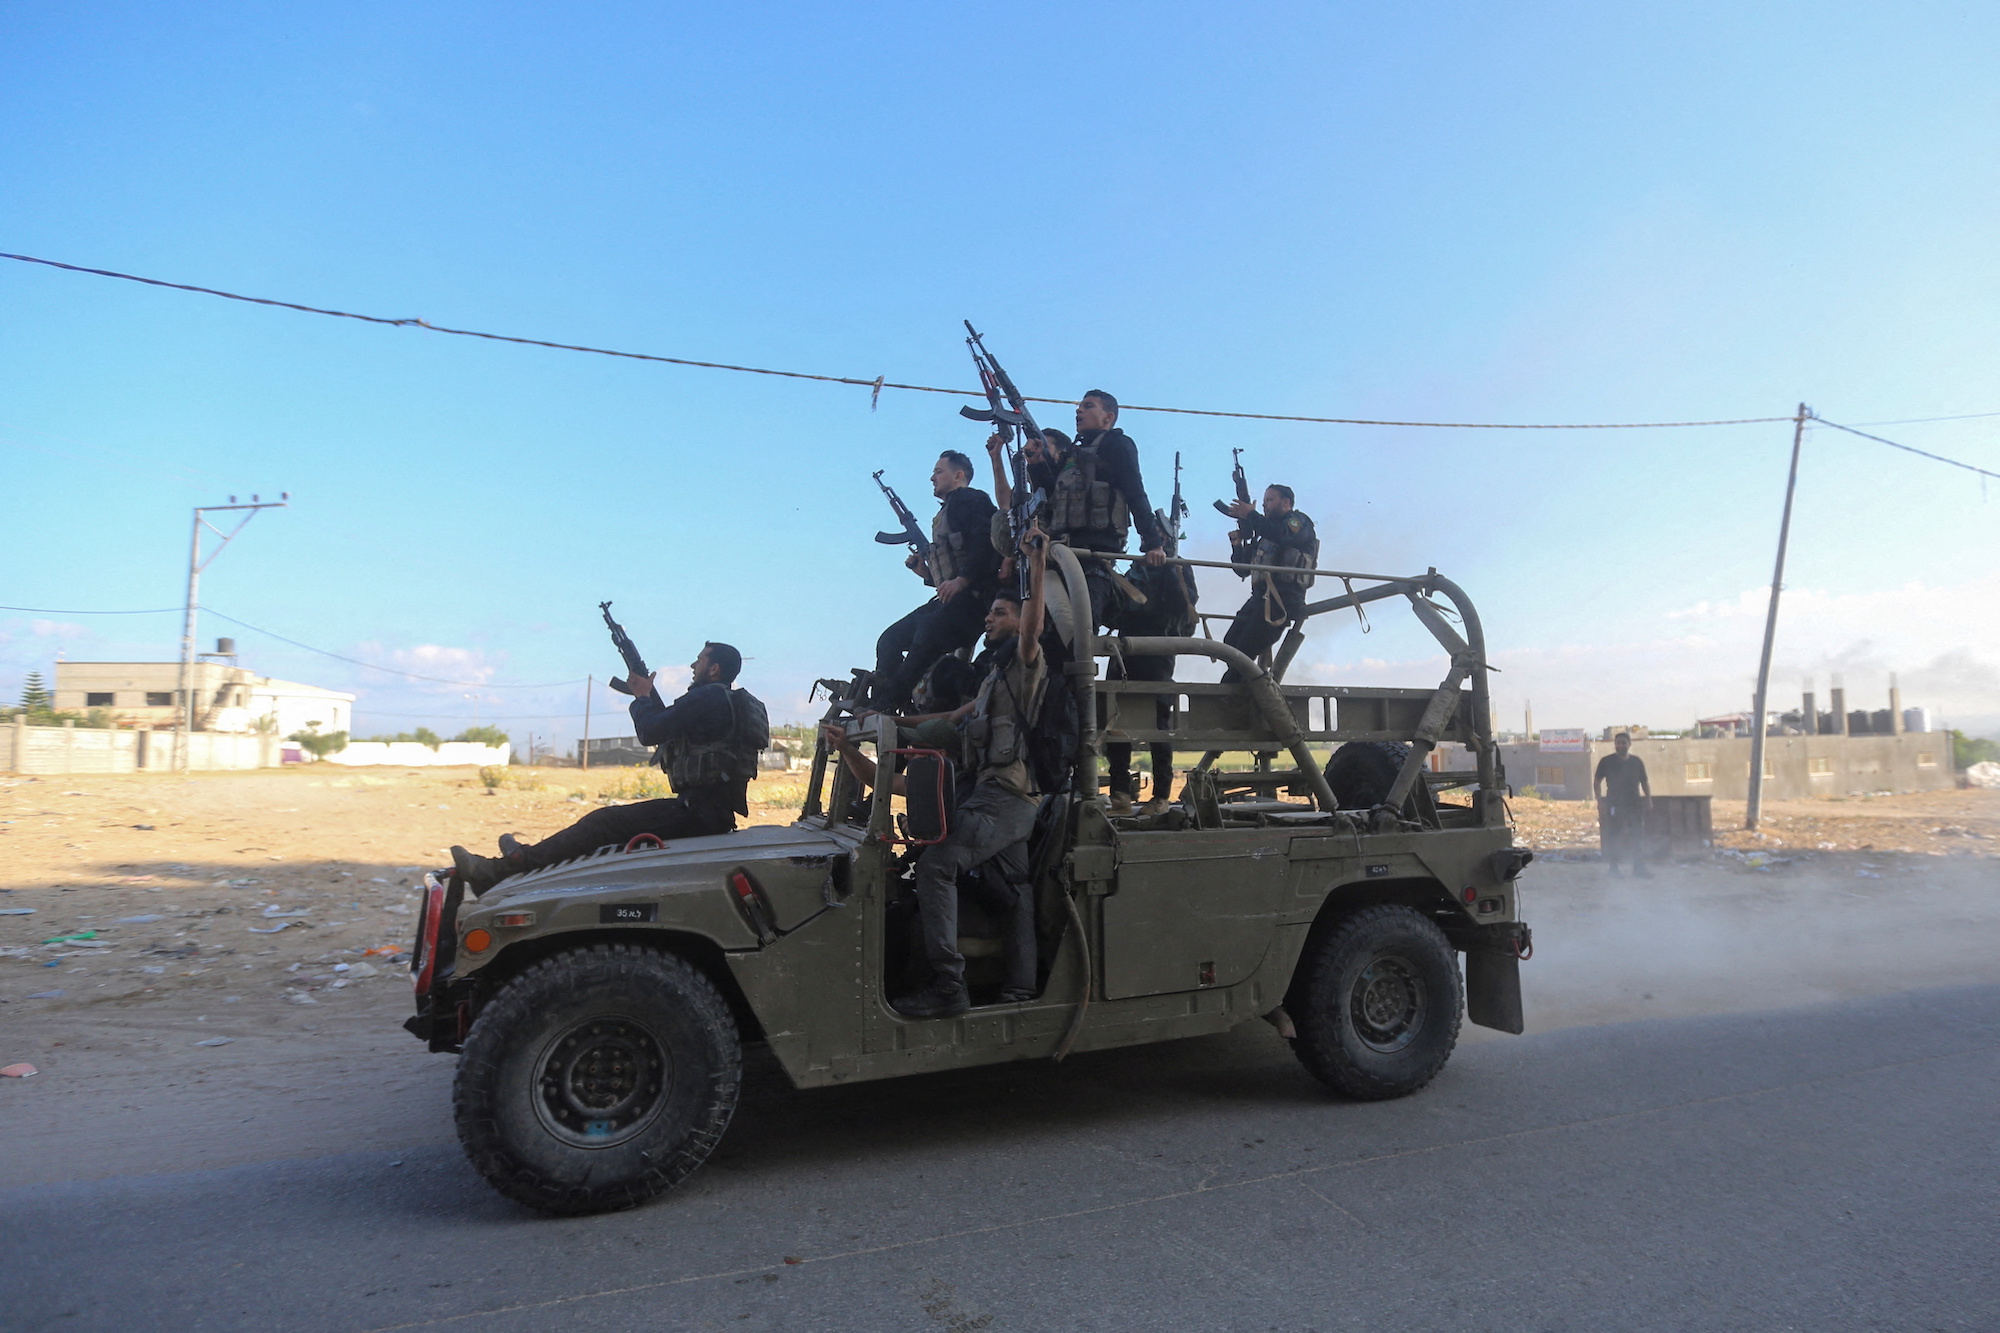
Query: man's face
point(1003, 622)
point(1090, 415)
point(945, 479)
point(1274, 503)
point(1622, 744)
point(702, 668)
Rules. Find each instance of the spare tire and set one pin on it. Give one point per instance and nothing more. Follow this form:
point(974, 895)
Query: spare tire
point(1362, 772)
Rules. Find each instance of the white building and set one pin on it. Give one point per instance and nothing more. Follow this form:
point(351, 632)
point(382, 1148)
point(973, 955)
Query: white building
point(228, 698)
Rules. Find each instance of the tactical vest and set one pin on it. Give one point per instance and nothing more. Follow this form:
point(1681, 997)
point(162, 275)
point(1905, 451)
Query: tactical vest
point(1080, 502)
point(730, 758)
point(947, 549)
point(995, 734)
point(1264, 551)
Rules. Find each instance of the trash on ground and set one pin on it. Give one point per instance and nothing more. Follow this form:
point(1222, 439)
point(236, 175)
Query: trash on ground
point(272, 930)
point(19, 1071)
point(45, 995)
point(64, 939)
point(215, 1041)
point(138, 920)
point(17, 911)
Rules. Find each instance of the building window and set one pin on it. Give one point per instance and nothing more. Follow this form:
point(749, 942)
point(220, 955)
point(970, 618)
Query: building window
point(1551, 777)
point(1820, 766)
point(97, 699)
point(1925, 759)
point(1699, 773)
point(159, 698)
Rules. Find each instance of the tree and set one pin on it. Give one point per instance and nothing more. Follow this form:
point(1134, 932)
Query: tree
point(1969, 750)
point(35, 696)
point(319, 745)
point(486, 735)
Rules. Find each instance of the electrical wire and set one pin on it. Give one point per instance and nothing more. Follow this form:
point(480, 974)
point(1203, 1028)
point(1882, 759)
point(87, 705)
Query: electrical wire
point(879, 383)
point(410, 675)
point(1921, 453)
point(52, 611)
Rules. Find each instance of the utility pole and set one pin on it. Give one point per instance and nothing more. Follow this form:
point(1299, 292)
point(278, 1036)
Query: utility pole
point(589, 683)
point(1754, 807)
point(197, 562)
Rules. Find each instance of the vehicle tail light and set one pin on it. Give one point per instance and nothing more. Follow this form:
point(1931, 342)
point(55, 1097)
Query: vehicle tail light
point(423, 963)
point(750, 901)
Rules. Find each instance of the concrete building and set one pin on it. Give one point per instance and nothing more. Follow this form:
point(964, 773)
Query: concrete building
point(228, 698)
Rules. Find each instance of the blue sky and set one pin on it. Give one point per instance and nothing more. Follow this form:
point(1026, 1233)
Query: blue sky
point(1541, 213)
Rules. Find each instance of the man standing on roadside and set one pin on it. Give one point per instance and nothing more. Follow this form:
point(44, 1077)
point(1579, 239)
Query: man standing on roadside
point(1623, 795)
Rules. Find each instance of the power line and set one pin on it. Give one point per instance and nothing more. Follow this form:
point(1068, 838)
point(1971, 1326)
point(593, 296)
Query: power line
point(52, 611)
point(1921, 453)
point(879, 383)
point(411, 675)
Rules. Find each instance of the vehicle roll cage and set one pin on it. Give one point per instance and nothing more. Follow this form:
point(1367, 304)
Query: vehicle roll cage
point(1257, 712)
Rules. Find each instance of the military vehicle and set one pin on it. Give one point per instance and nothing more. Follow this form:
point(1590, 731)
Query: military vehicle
point(601, 1007)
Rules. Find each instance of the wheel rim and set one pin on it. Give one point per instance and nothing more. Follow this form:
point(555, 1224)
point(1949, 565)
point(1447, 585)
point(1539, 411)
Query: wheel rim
point(1388, 1003)
point(602, 1082)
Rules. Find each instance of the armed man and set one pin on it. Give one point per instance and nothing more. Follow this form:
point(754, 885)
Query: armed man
point(995, 818)
point(963, 568)
point(1095, 495)
point(708, 740)
point(1280, 536)
point(1168, 611)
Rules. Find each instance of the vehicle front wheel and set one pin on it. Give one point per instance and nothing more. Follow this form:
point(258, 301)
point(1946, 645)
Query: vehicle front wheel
point(1376, 1003)
point(597, 1079)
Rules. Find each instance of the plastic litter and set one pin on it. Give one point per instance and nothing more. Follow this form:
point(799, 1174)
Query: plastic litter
point(361, 970)
point(138, 920)
point(45, 995)
point(19, 1071)
point(272, 930)
point(215, 1041)
point(17, 911)
point(65, 939)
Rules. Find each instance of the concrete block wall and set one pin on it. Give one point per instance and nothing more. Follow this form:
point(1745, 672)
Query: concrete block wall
point(1795, 766)
point(38, 750)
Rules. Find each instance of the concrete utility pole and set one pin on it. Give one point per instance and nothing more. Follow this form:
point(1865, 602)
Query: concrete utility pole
point(589, 683)
point(185, 722)
point(1754, 808)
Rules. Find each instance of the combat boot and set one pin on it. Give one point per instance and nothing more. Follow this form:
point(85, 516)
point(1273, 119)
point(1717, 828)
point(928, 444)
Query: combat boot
point(480, 873)
point(511, 846)
point(940, 999)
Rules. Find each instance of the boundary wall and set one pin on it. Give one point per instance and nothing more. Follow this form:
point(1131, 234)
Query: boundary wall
point(73, 749)
point(1795, 767)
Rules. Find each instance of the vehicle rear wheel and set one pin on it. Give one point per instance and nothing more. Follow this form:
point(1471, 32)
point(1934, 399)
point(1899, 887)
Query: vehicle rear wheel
point(1376, 1003)
point(597, 1079)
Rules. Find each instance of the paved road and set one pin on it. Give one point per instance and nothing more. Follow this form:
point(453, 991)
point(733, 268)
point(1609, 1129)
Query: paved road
point(1825, 1168)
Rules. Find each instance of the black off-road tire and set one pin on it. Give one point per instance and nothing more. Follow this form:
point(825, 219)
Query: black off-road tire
point(1376, 1003)
point(597, 1079)
point(1362, 772)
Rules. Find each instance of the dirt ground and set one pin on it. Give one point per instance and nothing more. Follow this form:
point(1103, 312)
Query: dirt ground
point(187, 1030)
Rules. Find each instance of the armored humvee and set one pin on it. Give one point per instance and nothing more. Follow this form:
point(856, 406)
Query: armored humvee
point(600, 1007)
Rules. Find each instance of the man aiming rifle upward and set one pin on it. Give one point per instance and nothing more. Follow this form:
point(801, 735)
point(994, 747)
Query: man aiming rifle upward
point(964, 569)
point(708, 741)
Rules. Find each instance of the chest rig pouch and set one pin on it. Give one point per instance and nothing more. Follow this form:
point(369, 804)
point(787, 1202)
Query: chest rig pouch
point(994, 735)
point(947, 549)
point(1082, 503)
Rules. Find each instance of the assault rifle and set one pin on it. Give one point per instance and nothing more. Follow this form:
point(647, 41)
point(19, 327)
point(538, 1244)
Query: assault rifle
point(912, 532)
point(1242, 485)
point(1008, 410)
point(634, 664)
point(1174, 519)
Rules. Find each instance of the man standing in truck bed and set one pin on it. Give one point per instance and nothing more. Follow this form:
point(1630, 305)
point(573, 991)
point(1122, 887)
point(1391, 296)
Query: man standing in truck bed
point(708, 740)
point(964, 569)
point(1280, 536)
point(1095, 495)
